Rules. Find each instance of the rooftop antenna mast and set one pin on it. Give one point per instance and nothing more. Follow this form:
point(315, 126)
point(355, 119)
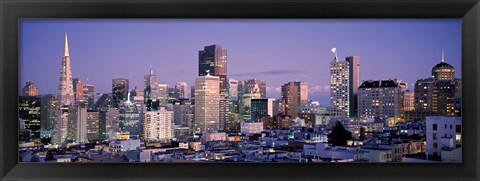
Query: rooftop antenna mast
point(334, 50)
point(443, 56)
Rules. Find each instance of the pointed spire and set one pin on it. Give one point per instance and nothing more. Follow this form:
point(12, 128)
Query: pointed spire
point(65, 52)
point(151, 70)
point(443, 56)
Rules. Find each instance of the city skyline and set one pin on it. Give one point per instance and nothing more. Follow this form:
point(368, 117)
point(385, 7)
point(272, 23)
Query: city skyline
point(94, 47)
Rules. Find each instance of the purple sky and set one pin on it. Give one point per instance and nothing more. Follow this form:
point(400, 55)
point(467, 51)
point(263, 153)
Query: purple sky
point(276, 50)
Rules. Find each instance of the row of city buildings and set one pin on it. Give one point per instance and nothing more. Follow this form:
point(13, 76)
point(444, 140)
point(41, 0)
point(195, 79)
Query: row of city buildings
point(234, 120)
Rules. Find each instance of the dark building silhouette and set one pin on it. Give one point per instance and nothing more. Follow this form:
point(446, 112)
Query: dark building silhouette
point(213, 61)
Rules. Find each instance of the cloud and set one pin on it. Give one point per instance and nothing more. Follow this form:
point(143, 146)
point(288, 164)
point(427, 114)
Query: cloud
point(270, 72)
point(319, 89)
point(274, 89)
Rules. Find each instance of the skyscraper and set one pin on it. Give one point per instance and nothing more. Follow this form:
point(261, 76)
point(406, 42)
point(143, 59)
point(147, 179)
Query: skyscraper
point(119, 90)
point(207, 100)
point(192, 95)
point(344, 82)
point(88, 95)
point(150, 85)
point(261, 108)
point(244, 104)
point(163, 94)
point(130, 117)
point(48, 112)
point(77, 123)
point(439, 94)
point(65, 87)
point(181, 89)
point(77, 89)
point(302, 92)
point(30, 89)
point(224, 113)
point(183, 113)
point(29, 111)
point(290, 96)
point(93, 120)
point(213, 61)
point(354, 83)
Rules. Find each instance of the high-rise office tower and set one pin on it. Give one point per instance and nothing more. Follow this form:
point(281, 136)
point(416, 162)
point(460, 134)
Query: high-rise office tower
point(93, 127)
point(181, 89)
point(224, 113)
point(213, 61)
point(290, 96)
point(130, 117)
point(261, 108)
point(65, 87)
point(103, 104)
point(29, 111)
point(183, 113)
point(112, 119)
point(192, 95)
point(278, 107)
point(61, 124)
point(382, 98)
point(344, 82)
point(232, 89)
point(158, 125)
point(150, 85)
point(354, 83)
point(88, 95)
point(77, 89)
point(244, 104)
point(163, 94)
point(207, 99)
point(48, 112)
point(77, 123)
point(119, 90)
point(30, 89)
point(439, 95)
point(303, 92)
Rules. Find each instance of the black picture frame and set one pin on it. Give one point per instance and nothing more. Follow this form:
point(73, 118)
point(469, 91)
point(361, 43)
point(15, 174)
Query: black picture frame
point(13, 10)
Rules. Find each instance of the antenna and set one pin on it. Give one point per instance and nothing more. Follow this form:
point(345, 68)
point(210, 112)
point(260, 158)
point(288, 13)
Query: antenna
point(443, 56)
point(334, 50)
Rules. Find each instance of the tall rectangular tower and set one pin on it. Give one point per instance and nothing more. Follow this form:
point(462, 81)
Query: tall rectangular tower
point(290, 96)
point(207, 103)
point(213, 61)
point(354, 81)
point(302, 92)
point(119, 90)
point(344, 82)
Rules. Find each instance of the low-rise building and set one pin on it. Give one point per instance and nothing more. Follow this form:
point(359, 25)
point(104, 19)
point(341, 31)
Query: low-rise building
point(443, 133)
point(250, 127)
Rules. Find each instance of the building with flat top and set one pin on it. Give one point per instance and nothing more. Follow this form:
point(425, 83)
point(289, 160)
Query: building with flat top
point(207, 103)
point(213, 61)
point(380, 98)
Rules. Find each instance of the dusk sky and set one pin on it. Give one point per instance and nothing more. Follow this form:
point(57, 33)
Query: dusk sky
point(278, 51)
